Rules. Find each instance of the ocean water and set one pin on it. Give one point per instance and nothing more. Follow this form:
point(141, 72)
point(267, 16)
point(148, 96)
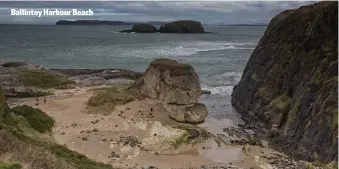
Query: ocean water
point(219, 59)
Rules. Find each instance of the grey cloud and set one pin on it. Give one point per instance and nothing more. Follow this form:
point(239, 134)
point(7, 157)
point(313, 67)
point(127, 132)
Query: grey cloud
point(228, 12)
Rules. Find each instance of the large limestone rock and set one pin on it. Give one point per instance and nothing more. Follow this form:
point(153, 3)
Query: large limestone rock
point(291, 80)
point(182, 27)
point(177, 86)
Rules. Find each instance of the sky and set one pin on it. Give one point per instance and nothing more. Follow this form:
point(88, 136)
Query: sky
point(207, 12)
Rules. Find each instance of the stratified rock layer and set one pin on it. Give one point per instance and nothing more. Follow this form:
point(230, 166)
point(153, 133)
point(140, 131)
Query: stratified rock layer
point(291, 80)
point(177, 86)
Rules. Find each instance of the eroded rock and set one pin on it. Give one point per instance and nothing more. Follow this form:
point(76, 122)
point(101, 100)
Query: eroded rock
point(177, 87)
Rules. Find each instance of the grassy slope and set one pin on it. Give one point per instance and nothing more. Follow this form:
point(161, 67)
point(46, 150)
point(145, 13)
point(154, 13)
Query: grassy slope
point(21, 141)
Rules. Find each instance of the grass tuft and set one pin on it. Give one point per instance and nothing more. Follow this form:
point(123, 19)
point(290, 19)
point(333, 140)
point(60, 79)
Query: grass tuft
point(106, 100)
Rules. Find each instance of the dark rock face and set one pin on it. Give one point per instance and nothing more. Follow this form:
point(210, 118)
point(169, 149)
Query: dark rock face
point(142, 28)
point(291, 80)
point(182, 27)
point(177, 86)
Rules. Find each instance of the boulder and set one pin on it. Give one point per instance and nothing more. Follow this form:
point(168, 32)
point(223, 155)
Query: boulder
point(193, 113)
point(176, 86)
point(185, 26)
point(142, 28)
point(170, 81)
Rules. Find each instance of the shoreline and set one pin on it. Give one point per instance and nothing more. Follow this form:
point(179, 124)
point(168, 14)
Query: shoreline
point(78, 130)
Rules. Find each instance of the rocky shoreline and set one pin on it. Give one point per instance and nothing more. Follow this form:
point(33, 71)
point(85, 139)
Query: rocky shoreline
point(155, 84)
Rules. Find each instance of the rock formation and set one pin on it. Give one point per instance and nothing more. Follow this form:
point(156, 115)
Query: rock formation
point(182, 27)
point(142, 28)
point(291, 80)
point(177, 86)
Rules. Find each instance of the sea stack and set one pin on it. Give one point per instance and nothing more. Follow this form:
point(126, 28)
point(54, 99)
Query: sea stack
point(177, 87)
point(291, 80)
point(142, 28)
point(185, 26)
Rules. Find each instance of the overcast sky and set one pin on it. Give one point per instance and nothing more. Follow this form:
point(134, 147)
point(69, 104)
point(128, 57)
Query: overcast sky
point(208, 12)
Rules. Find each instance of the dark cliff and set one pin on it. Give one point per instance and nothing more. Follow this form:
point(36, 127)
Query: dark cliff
point(291, 80)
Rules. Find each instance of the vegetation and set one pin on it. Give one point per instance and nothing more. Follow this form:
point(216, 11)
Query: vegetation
point(186, 138)
point(254, 76)
point(281, 102)
point(36, 118)
point(21, 141)
point(4, 165)
point(261, 91)
point(34, 94)
point(45, 80)
point(104, 101)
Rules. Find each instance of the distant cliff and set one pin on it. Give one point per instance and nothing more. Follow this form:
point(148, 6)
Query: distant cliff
point(101, 22)
point(291, 80)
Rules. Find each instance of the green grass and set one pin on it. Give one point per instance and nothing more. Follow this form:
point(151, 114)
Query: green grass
point(45, 80)
point(106, 100)
point(281, 102)
point(184, 139)
point(261, 91)
point(10, 165)
point(78, 160)
point(36, 118)
point(254, 76)
point(21, 140)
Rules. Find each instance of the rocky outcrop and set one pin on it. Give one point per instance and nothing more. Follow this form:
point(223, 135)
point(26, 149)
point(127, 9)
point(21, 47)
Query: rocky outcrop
point(291, 80)
point(182, 27)
point(20, 79)
point(177, 86)
point(142, 28)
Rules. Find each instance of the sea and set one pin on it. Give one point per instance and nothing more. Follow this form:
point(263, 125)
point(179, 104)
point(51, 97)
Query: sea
point(218, 59)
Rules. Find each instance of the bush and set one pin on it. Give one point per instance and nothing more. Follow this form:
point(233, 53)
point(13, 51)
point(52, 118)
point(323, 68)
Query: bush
point(36, 118)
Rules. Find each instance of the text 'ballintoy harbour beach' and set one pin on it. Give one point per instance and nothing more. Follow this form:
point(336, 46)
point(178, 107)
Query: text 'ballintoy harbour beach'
point(48, 12)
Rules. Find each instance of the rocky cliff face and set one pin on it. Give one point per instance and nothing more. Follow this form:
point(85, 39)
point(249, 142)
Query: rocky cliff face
point(291, 80)
point(177, 86)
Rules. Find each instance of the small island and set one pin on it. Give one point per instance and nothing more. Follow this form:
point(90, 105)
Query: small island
point(101, 22)
point(184, 26)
